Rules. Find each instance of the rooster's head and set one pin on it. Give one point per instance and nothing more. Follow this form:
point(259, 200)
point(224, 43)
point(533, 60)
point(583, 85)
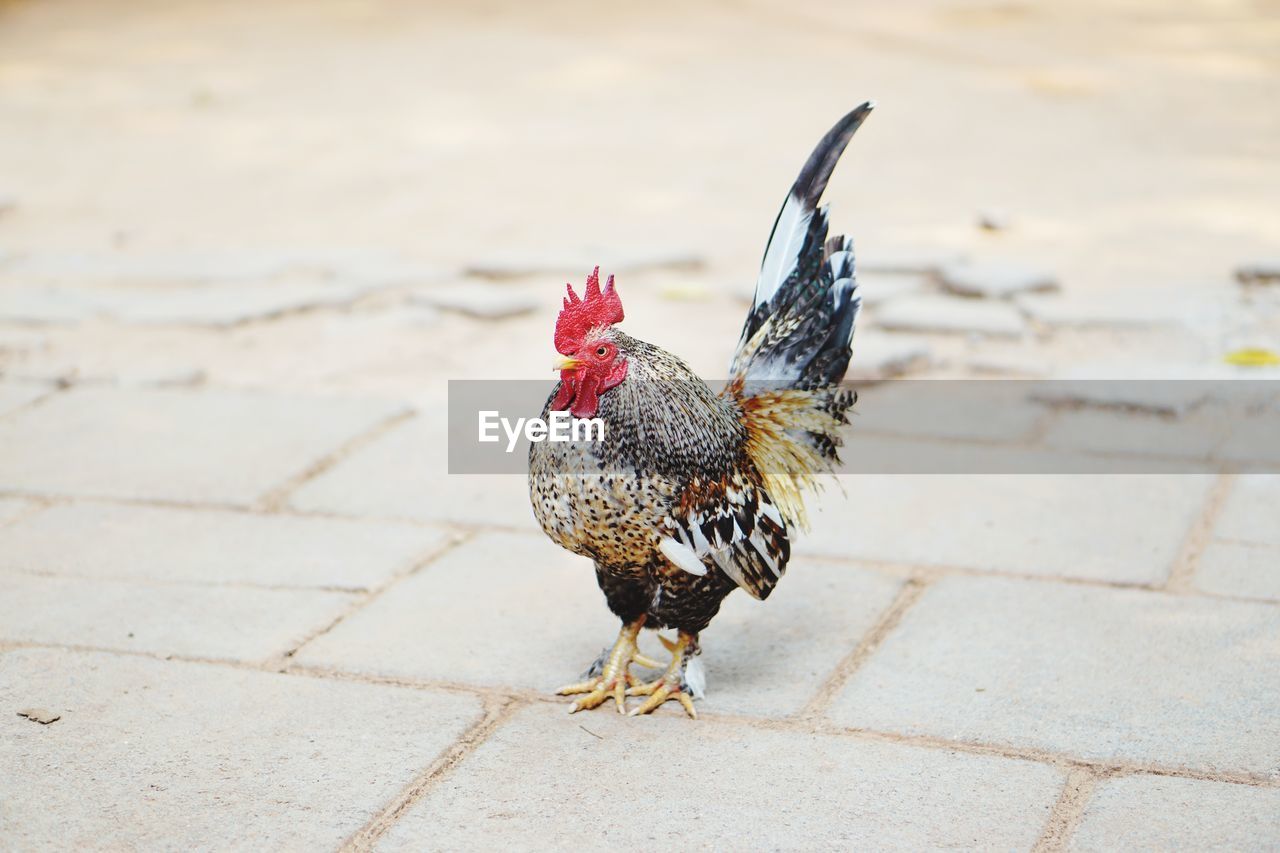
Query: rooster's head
point(590, 363)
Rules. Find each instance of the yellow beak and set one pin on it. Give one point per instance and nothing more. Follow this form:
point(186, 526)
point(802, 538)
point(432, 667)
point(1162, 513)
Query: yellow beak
point(565, 362)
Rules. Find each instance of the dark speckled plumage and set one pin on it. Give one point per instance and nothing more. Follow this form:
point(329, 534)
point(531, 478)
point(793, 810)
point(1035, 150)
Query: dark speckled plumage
point(691, 493)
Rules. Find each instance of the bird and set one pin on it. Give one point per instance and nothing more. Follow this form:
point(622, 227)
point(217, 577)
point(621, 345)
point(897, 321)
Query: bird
point(687, 494)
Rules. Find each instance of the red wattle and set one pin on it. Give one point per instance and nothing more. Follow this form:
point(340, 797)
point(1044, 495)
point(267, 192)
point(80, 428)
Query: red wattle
point(587, 401)
point(568, 389)
point(580, 389)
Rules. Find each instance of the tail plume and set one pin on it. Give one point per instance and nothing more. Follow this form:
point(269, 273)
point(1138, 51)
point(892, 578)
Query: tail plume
point(800, 328)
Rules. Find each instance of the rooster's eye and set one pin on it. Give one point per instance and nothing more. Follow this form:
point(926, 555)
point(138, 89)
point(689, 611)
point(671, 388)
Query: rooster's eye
point(602, 352)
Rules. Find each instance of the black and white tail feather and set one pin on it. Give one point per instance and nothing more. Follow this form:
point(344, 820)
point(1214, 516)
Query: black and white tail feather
point(799, 331)
point(786, 374)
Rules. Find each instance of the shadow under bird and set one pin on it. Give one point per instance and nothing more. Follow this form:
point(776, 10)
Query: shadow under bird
point(691, 494)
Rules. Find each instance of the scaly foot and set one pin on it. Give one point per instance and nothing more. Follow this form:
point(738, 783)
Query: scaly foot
point(610, 675)
point(670, 685)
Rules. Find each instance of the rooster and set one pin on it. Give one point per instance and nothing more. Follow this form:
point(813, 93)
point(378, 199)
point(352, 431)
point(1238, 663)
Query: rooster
point(691, 494)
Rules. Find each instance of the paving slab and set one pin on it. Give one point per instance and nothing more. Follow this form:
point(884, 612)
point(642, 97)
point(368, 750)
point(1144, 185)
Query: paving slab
point(479, 300)
point(218, 267)
point(15, 395)
point(1168, 813)
point(1125, 528)
point(230, 304)
point(881, 355)
point(1194, 436)
point(1251, 510)
point(1100, 673)
point(828, 792)
point(995, 280)
point(543, 620)
point(176, 444)
point(1240, 569)
point(966, 410)
point(11, 508)
point(949, 315)
point(1252, 444)
point(408, 464)
point(517, 262)
point(1126, 389)
point(167, 755)
point(879, 288)
point(1134, 308)
point(231, 623)
point(213, 546)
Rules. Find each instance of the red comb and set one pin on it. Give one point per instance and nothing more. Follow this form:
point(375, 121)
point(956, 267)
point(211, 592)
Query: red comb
point(579, 316)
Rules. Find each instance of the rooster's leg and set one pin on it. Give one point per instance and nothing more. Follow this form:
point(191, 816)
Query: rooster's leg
point(610, 675)
point(671, 684)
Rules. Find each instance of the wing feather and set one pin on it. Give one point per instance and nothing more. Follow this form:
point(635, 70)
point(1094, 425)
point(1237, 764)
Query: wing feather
point(733, 526)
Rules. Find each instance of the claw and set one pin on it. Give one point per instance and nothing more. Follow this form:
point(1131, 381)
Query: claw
point(667, 686)
point(614, 678)
point(593, 699)
point(659, 692)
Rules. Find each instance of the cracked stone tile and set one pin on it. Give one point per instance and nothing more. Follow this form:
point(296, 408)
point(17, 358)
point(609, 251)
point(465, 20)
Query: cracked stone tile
point(152, 754)
point(1168, 813)
point(222, 622)
point(1107, 674)
point(840, 792)
point(182, 445)
point(1125, 528)
point(213, 546)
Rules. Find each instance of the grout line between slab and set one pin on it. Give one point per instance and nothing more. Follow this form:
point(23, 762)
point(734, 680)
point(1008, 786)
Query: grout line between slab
point(1068, 811)
point(54, 390)
point(36, 506)
point(278, 496)
point(907, 596)
point(1182, 572)
point(526, 697)
point(920, 570)
point(496, 712)
point(367, 597)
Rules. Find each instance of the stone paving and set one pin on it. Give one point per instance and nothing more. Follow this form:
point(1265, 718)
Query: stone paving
point(257, 612)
